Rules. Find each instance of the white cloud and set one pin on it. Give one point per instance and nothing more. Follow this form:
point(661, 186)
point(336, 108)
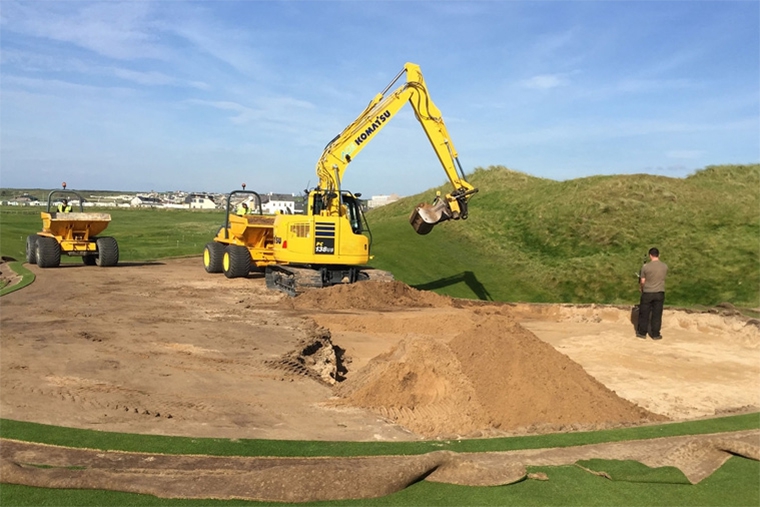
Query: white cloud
point(144, 78)
point(545, 81)
point(119, 30)
point(243, 114)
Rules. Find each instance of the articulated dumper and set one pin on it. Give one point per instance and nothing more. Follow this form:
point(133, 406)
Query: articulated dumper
point(66, 232)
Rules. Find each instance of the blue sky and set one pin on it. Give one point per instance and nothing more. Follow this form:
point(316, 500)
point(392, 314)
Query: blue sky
point(169, 95)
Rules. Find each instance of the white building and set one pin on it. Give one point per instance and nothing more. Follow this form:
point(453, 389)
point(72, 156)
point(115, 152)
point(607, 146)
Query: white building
point(143, 201)
point(381, 200)
point(200, 201)
point(278, 203)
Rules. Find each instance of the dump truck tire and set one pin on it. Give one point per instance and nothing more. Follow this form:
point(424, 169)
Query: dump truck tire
point(31, 249)
point(213, 257)
point(236, 262)
point(48, 252)
point(89, 260)
point(108, 252)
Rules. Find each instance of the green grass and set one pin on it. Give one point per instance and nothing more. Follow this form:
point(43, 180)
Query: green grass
point(583, 240)
point(736, 483)
point(72, 437)
point(527, 239)
point(142, 234)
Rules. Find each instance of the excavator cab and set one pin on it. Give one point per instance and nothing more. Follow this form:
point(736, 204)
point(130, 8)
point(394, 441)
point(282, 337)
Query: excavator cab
point(351, 207)
point(353, 212)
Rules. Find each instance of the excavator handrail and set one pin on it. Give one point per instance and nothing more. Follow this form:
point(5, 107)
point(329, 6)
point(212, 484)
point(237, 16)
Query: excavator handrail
point(229, 207)
point(65, 192)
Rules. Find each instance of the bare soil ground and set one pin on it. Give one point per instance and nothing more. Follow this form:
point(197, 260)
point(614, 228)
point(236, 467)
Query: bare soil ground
point(165, 348)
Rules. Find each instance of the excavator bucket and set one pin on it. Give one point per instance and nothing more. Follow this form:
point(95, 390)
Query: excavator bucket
point(426, 216)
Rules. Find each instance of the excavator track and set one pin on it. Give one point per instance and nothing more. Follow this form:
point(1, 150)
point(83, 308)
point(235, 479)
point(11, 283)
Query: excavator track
point(375, 275)
point(294, 280)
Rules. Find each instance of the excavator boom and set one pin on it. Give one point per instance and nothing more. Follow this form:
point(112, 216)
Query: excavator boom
point(384, 106)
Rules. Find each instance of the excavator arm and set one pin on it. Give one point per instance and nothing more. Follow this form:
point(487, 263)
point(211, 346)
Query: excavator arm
point(346, 145)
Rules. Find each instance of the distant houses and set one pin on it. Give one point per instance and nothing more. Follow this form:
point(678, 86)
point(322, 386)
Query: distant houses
point(271, 203)
point(144, 201)
point(24, 200)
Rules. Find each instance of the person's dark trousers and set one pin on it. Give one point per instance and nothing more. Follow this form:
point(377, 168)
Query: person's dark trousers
point(651, 304)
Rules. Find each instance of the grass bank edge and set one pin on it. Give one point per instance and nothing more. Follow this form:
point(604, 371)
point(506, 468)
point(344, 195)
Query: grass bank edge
point(92, 439)
point(27, 277)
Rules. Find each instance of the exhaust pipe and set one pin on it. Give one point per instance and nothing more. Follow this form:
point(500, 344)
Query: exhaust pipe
point(426, 216)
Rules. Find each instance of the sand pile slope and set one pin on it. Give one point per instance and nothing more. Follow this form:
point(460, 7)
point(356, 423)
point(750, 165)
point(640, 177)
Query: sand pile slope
point(481, 373)
point(522, 382)
point(369, 296)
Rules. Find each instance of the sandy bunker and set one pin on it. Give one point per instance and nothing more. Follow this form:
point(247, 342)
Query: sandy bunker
point(165, 348)
point(468, 372)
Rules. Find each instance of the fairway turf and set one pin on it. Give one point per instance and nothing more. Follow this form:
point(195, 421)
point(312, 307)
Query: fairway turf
point(736, 483)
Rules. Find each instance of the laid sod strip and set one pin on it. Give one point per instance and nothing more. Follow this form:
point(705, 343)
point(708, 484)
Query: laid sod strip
point(734, 484)
point(72, 437)
point(632, 471)
point(27, 277)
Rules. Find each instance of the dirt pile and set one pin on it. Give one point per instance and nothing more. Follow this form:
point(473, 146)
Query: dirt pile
point(483, 374)
point(314, 356)
point(523, 382)
point(420, 385)
point(369, 296)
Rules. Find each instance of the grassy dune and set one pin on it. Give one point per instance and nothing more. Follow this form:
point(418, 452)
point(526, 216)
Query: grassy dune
point(583, 240)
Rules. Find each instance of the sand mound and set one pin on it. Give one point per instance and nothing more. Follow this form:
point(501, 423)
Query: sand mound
point(369, 295)
point(420, 385)
point(522, 381)
point(492, 376)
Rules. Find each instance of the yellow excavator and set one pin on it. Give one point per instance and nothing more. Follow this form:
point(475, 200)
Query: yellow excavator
point(330, 243)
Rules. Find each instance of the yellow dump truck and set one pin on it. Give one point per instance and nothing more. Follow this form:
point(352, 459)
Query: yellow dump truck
point(73, 233)
point(245, 241)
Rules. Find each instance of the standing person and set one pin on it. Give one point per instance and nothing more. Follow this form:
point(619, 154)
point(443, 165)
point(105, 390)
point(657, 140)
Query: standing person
point(242, 209)
point(652, 287)
point(64, 207)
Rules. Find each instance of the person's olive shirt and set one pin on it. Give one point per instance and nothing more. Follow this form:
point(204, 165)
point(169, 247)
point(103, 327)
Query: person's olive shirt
point(654, 274)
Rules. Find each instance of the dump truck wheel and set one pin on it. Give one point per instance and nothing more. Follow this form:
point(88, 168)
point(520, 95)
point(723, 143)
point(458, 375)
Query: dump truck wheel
point(108, 252)
point(236, 262)
point(89, 260)
point(31, 249)
point(213, 257)
point(48, 252)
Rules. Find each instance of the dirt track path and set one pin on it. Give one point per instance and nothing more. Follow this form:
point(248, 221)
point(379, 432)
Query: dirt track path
point(166, 348)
